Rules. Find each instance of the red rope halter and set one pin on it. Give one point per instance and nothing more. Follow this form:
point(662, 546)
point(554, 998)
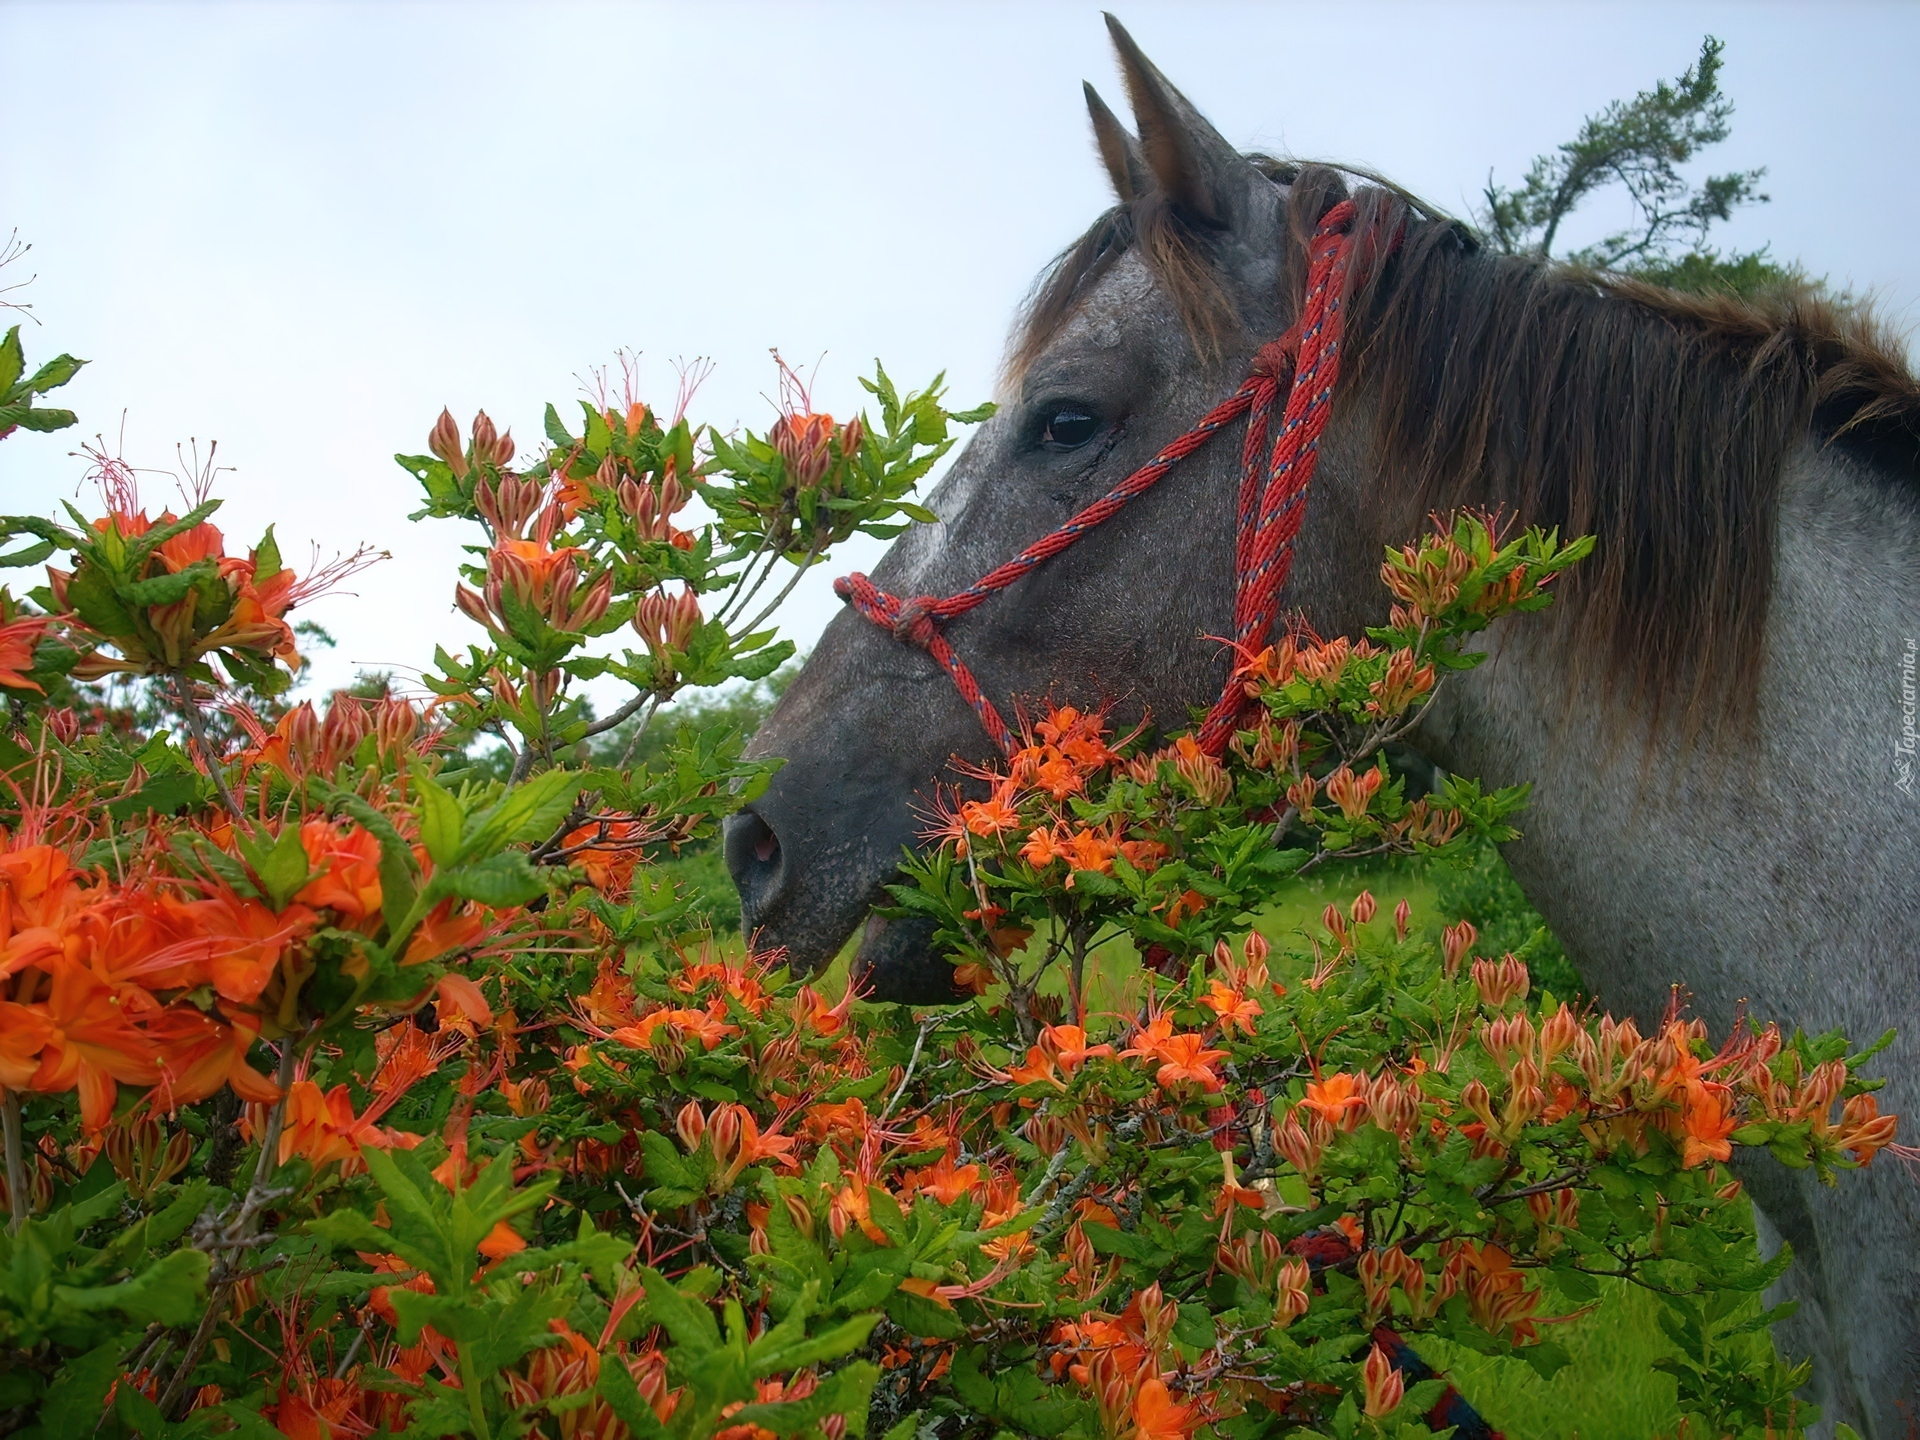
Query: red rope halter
point(1272, 500)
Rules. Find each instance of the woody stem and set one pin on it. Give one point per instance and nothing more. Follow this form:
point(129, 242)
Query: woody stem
point(235, 1238)
point(190, 710)
point(813, 553)
point(16, 1162)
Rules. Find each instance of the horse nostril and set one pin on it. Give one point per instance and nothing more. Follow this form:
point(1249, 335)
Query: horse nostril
point(753, 859)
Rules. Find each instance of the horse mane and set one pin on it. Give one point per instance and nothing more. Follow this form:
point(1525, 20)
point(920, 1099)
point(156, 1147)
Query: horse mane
point(1658, 421)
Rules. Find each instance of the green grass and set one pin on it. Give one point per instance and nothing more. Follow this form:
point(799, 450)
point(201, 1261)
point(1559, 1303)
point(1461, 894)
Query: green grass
point(1610, 1391)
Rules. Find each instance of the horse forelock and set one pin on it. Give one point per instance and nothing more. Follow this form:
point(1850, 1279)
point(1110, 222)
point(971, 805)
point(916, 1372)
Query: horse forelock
point(1659, 421)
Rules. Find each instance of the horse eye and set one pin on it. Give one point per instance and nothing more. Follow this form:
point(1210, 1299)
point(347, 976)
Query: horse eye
point(1070, 429)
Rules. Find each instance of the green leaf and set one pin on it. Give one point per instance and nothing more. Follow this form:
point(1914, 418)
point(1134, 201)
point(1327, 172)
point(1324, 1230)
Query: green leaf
point(77, 1398)
point(171, 1291)
point(842, 1339)
point(529, 811)
point(687, 1320)
point(441, 818)
point(92, 597)
point(284, 868)
point(12, 361)
point(616, 1385)
point(501, 881)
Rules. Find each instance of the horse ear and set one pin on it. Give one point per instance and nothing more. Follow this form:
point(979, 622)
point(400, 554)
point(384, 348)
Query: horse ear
point(1126, 166)
point(1192, 162)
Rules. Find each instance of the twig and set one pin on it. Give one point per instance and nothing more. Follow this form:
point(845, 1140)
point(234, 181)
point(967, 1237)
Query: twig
point(238, 1234)
point(190, 710)
point(931, 1023)
point(19, 1200)
point(813, 553)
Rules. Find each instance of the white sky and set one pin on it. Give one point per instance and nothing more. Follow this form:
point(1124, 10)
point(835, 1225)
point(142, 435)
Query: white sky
point(302, 229)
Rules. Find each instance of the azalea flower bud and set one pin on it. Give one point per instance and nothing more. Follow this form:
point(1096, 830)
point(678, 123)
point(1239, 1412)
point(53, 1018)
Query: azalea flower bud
point(1364, 907)
point(1157, 1315)
point(799, 1212)
point(346, 725)
point(483, 434)
point(301, 727)
point(394, 724)
point(1045, 1133)
point(669, 1047)
point(593, 604)
point(1376, 1273)
point(444, 441)
point(1500, 984)
point(1401, 914)
point(1557, 1034)
point(834, 1427)
point(504, 692)
point(1300, 1150)
point(1292, 1293)
point(723, 1133)
point(473, 607)
point(1477, 1099)
point(673, 494)
point(1336, 924)
point(683, 621)
point(636, 501)
point(690, 1125)
point(802, 442)
point(1525, 1099)
point(1455, 942)
point(1384, 1385)
point(63, 724)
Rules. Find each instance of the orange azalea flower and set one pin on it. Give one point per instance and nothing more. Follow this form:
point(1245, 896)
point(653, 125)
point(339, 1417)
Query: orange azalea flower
point(1335, 1098)
point(708, 1028)
point(1149, 1039)
point(1090, 850)
point(945, 1181)
point(1038, 1069)
point(322, 1128)
point(1068, 1045)
point(24, 1033)
point(1231, 1006)
point(854, 1205)
point(609, 862)
point(1187, 902)
point(198, 1055)
point(349, 878)
point(443, 930)
point(992, 816)
point(231, 943)
point(1041, 849)
point(1056, 774)
point(1708, 1123)
point(1080, 738)
point(501, 1241)
point(1157, 1417)
point(1187, 1060)
point(93, 1044)
point(18, 639)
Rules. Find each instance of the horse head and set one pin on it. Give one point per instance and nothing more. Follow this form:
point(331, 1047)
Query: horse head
point(1133, 333)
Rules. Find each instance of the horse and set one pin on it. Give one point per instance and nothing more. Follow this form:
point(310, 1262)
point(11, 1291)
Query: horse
point(1711, 713)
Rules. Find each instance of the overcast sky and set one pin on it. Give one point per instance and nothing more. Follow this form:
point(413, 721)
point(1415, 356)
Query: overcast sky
point(302, 229)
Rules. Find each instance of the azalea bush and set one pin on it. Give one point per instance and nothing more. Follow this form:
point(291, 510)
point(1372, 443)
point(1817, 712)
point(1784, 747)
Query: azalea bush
point(362, 1074)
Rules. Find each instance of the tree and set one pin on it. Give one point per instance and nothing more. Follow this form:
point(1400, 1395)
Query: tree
point(1640, 146)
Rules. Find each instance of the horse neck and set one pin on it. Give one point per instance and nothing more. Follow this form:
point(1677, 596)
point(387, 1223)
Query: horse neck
point(1774, 865)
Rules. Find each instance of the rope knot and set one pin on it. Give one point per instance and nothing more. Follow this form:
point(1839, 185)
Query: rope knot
point(1274, 358)
point(913, 622)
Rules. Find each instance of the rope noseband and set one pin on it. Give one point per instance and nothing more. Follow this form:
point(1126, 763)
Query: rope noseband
point(1272, 500)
